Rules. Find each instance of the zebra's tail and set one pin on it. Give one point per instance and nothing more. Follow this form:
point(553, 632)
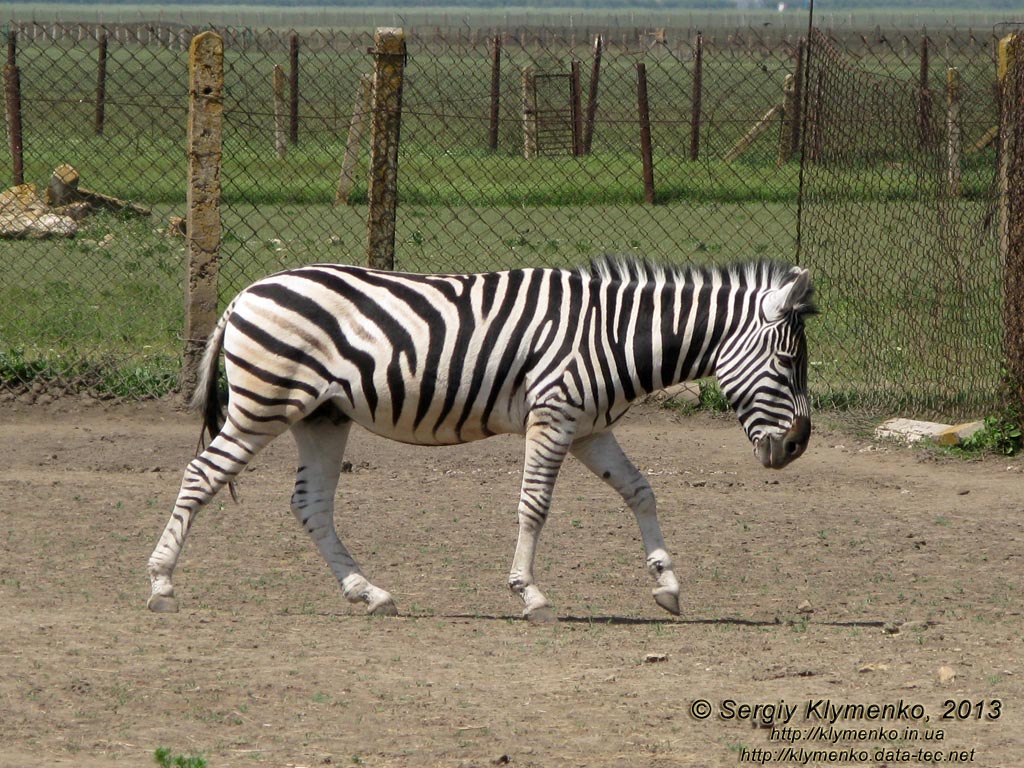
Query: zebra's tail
point(206, 399)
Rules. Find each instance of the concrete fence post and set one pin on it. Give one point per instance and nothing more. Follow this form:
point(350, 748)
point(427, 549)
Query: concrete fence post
point(529, 113)
point(203, 226)
point(576, 108)
point(385, 121)
point(278, 81)
point(356, 126)
point(954, 140)
point(293, 85)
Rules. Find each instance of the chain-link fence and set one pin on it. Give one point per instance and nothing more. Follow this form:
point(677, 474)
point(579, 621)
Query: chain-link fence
point(908, 273)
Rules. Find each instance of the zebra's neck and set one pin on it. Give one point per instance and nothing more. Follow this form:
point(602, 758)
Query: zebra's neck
point(667, 326)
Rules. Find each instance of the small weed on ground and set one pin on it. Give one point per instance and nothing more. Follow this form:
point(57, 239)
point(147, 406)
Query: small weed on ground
point(167, 759)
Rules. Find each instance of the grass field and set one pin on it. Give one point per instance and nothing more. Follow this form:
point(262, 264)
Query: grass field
point(907, 277)
point(517, 15)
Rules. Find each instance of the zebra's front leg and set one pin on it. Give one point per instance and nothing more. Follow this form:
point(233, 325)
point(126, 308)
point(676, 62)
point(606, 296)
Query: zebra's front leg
point(548, 437)
point(603, 456)
point(321, 441)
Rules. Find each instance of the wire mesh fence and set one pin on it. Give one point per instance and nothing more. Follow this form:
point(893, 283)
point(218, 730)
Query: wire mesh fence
point(906, 262)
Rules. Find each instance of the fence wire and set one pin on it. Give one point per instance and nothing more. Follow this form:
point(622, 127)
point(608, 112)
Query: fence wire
point(907, 272)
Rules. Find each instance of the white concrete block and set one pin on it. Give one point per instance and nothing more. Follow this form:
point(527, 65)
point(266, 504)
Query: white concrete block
point(910, 430)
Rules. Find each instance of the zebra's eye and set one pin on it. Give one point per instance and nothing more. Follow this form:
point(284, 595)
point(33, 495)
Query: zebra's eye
point(785, 361)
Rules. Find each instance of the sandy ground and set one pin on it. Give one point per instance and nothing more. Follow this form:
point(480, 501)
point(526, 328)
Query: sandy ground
point(862, 576)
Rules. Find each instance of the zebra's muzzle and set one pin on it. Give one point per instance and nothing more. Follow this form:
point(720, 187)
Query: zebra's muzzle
point(776, 451)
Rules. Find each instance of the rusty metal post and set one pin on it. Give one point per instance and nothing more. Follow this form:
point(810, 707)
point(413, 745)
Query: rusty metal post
point(1011, 224)
point(492, 141)
point(385, 121)
point(203, 225)
point(101, 83)
point(646, 151)
point(576, 108)
point(696, 100)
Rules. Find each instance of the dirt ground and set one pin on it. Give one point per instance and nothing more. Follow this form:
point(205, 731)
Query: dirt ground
point(862, 575)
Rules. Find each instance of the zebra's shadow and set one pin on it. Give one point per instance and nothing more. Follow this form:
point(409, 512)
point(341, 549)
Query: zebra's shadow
point(627, 621)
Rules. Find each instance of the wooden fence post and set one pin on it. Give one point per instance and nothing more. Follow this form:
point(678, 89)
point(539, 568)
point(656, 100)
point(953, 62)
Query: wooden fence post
point(277, 86)
point(385, 121)
point(101, 83)
point(646, 151)
point(1011, 224)
point(356, 128)
point(293, 58)
point(203, 226)
point(12, 101)
point(698, 90)
point(595, 76)
point(815, 118)
point(492, 141)
point(953, 135)
point(795, 114)
point(788, 115)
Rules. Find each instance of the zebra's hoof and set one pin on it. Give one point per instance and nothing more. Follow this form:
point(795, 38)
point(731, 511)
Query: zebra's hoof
point(667, 600)
point(387, 608)
point(162, 604)
point(542, 615)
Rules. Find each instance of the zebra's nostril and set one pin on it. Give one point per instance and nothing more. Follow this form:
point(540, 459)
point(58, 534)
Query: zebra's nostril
point(792, 447)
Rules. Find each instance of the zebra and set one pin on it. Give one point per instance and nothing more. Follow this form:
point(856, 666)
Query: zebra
point(555, 355)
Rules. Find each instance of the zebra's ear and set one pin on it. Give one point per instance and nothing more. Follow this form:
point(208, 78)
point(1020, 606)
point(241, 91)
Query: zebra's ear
point(789, 297)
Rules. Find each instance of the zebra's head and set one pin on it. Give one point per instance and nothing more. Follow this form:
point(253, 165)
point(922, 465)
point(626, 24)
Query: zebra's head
point(762, 369)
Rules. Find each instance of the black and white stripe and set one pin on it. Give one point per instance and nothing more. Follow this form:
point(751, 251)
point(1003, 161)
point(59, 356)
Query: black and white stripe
point(555, 355)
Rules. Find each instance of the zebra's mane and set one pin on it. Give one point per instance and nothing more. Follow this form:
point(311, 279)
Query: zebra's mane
point(764, 272)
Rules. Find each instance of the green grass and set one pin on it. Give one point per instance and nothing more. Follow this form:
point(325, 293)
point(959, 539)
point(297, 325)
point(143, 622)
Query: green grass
point(138, 309)
point(906, 280)
point(165, 758)
point(1002, 435)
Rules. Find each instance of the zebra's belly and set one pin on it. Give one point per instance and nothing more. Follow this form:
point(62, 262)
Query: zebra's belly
point(436, 423)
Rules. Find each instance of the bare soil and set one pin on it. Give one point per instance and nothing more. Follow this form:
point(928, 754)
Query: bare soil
point(864, 574)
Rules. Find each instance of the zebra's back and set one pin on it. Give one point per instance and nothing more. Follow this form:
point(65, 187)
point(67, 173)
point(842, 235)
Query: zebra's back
point(427, 359)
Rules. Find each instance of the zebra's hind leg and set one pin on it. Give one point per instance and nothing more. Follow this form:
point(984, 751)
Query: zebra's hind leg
point(227, 455)
point(548, 437)
point(603, 456)
point(321, 441)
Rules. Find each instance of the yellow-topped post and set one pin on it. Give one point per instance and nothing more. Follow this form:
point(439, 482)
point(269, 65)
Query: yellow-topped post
point(203, 225)
point(385, 120)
